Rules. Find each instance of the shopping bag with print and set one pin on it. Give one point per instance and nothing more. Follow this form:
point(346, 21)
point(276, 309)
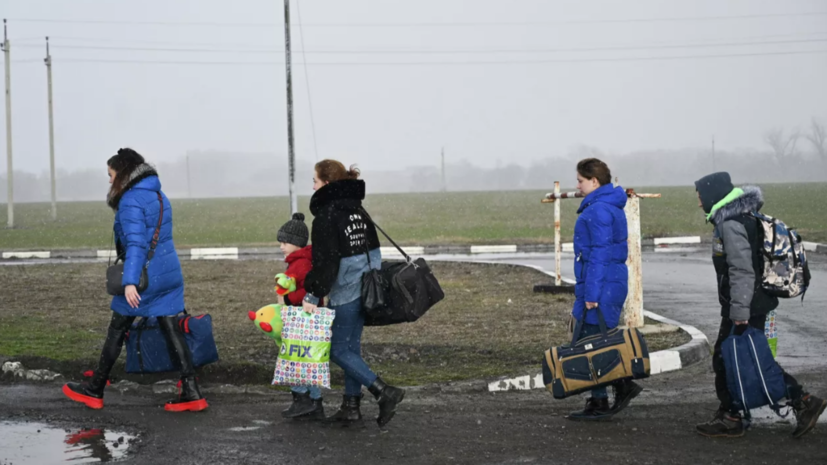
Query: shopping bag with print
point(304, 358)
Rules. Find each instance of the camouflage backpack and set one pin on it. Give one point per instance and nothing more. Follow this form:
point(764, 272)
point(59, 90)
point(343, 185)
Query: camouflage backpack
point(786, 272)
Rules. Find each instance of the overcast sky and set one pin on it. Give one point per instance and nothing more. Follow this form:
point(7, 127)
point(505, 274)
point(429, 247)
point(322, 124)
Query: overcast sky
point(538, 78)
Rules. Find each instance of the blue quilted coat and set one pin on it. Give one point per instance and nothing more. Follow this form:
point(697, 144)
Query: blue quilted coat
point(600, 252)
point(135, 223)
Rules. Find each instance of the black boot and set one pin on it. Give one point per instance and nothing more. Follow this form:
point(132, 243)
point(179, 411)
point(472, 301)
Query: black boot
point(388, 397)
point(349, 412)
point(624, 393)
point(304, 408)
point(190, 398)
point(595, 410)
point(90, 392)
point(807, 410)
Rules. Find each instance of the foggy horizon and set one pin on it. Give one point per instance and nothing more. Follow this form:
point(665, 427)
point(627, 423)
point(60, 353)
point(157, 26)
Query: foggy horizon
point(391, 83)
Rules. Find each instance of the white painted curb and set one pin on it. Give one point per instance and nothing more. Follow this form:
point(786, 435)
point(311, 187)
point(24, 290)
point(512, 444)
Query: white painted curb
point(7, 255)
point(394, 252)
point(810, 246)
point(217, 253)
point(678, 240)
point(475, 249)
point(107, 254)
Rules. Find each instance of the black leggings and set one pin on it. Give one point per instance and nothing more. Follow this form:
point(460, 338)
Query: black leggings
point(120, 324)
point(794, 390)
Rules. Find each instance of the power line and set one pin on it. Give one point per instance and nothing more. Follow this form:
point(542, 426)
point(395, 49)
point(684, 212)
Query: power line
point(429, 24)
point(442, 63)
point(307, 83)
point(442, 52)
point(248, 45)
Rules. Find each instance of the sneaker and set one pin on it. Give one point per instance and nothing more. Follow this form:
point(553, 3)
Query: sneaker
point(723, 425)
point(807, 412)
point(595, 410)
point(624, 393)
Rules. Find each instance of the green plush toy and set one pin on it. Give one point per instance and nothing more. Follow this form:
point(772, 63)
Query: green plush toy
point(268, 320)
point(285, 284)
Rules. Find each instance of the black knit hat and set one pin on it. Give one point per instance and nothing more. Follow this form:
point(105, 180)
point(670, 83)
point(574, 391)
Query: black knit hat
point(294, 231)
point(713, 188)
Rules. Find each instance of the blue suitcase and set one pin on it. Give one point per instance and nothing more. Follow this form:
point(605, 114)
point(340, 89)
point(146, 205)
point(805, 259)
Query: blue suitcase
point(147, 350)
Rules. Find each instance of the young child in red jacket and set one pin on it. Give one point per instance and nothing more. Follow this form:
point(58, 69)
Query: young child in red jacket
point(292, 239)
point(293, 236)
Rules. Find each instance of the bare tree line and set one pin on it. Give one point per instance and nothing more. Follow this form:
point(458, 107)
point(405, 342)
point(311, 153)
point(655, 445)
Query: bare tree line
point(785, 145)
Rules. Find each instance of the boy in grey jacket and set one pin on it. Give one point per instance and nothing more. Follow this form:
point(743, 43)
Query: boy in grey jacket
point(736, 253)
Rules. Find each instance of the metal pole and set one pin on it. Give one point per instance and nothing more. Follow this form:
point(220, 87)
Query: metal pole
point(189, 184)
point(444, 186)
point(633, 309)
point(9, 167)
point(291, 157)
point(713, 154)
point(51, 132)
point(558, 246)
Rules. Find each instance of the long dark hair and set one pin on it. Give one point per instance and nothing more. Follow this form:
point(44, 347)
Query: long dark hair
point(123, 164)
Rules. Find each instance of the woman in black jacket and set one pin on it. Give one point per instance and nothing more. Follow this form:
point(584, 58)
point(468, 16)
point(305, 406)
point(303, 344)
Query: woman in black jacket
point(345, 247)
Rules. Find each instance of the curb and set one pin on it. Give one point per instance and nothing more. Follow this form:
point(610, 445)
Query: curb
point(234, 253)
point(662, 361)
point(658, 244)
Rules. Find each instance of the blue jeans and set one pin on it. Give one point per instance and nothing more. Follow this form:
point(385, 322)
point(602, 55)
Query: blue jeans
point(346, 350)
point(591, 330)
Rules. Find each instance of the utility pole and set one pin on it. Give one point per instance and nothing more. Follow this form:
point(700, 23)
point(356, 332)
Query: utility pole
point(713, 154)
point(291, 155)
point(444, 185)
point(189, 184)
point(48, 61)
point(9, 167)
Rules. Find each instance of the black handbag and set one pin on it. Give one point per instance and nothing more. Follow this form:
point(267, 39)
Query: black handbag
point(114, 273)
point(409, 288)
point(375, 288)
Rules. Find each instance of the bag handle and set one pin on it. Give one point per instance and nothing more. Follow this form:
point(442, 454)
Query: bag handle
point(157, 234)
point(407, 257)
point(578, 328)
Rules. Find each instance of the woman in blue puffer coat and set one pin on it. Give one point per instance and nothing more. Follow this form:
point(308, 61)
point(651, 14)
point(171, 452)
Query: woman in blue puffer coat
point(139, 205)
point(600, 267)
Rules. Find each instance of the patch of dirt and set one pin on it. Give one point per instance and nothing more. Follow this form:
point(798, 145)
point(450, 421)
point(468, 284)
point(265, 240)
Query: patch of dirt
point(491, 323)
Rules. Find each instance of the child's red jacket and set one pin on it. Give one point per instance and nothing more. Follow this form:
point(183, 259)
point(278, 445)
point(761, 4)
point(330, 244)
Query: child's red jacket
point(298, 265)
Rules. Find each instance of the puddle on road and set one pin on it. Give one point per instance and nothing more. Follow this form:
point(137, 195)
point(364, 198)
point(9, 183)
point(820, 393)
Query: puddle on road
point(37, 443)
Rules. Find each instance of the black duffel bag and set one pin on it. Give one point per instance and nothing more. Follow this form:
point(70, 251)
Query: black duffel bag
point(400, 291)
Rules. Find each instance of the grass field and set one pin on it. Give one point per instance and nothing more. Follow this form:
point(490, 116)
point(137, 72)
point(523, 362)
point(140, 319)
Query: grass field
point(414, 219)
point(490, 323)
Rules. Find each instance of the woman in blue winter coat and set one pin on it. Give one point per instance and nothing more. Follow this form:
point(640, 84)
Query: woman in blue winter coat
point(139, 206)
point(600, 268)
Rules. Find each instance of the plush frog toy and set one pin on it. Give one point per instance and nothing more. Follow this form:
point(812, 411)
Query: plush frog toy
point(285, 284)
point(268, 320)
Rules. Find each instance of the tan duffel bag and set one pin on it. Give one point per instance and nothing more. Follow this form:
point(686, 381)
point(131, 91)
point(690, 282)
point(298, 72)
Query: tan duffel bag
point(595, 361)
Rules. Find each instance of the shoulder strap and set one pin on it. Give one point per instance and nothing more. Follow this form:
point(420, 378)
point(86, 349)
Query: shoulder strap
point(157, 234)
point(407, 257)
